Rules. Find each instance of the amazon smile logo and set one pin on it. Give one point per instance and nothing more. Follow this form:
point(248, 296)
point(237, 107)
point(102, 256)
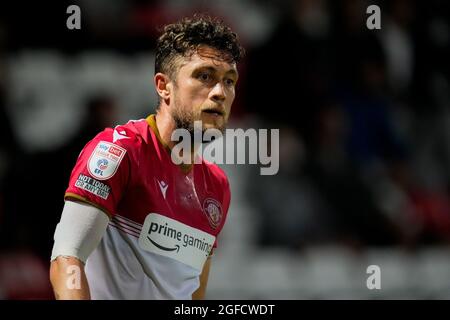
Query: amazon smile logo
point(171, 238)
point(177, 247)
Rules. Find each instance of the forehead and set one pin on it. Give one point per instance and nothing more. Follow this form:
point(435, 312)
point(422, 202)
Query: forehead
point(208, 57)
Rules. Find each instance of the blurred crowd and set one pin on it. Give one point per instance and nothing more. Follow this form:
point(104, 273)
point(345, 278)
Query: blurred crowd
point(364, 119)
point(365, 125)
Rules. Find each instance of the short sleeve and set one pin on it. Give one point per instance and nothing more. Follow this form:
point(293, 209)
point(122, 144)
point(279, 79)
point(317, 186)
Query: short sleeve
point(101, 173)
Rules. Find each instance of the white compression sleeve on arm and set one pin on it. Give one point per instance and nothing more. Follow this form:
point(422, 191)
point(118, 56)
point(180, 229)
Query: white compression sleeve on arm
point(80, 230)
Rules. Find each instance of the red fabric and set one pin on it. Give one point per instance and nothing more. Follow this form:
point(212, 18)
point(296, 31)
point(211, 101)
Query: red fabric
point(134, 190)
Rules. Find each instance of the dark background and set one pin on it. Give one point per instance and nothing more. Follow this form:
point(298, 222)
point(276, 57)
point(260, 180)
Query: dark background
point(364, 119)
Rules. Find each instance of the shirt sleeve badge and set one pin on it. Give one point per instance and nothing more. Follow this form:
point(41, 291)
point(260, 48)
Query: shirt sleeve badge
point(105, 160)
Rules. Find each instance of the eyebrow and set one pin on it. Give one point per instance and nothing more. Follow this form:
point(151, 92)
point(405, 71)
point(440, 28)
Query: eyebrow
point(212, 69)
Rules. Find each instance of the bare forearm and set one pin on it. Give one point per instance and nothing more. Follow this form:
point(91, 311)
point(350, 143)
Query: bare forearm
point(200, 293)
point(69, 279)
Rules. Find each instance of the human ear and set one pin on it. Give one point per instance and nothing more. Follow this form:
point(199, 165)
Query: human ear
point(163, 85)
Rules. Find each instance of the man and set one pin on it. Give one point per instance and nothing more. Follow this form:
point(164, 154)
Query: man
point(149, 226)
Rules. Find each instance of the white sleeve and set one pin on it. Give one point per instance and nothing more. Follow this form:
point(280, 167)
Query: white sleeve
point(80, 230)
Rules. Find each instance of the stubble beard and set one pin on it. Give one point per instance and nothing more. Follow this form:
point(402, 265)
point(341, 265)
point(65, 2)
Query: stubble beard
point(184, 118)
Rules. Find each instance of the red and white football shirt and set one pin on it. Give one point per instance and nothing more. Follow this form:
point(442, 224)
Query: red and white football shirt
point(164, 217)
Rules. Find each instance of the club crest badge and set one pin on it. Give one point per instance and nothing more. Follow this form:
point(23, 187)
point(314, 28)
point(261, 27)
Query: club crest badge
point(213, 211)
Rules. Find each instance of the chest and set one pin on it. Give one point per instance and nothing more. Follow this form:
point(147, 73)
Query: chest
point(190, 198)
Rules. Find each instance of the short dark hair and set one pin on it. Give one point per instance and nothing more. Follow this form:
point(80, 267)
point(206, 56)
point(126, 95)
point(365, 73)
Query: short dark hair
point(183, 38)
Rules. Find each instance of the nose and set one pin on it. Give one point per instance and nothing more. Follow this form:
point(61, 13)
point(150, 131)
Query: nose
point(217, 93)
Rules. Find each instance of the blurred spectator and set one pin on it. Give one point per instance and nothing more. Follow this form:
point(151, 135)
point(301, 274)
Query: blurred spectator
point(31, 221)
point(23, 276)
point(288, 74)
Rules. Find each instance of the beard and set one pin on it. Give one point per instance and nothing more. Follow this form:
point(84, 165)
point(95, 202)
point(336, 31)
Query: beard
point(185, 117)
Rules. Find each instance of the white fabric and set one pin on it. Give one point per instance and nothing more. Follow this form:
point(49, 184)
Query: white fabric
point(119, 269)
point(116, 266)
point(79, 231)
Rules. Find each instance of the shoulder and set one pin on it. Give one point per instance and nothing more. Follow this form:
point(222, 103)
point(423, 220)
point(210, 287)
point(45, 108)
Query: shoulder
point(127, 137)
point(113, 146)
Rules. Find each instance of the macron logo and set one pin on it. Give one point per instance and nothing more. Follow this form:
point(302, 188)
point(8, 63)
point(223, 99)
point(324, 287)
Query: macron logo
point(163, 186)
point(119, 135)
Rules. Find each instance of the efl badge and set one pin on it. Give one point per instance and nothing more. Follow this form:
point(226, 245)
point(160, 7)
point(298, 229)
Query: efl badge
point(105, 160)
point(213, 211)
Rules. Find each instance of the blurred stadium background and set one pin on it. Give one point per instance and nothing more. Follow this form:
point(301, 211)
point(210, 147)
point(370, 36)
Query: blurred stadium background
point(364, 118)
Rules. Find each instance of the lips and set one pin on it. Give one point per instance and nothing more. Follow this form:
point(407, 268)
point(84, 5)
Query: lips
point(214, 111)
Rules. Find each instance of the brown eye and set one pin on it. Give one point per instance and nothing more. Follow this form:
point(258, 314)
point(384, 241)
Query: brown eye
point(204, 76)
point(229, 82)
